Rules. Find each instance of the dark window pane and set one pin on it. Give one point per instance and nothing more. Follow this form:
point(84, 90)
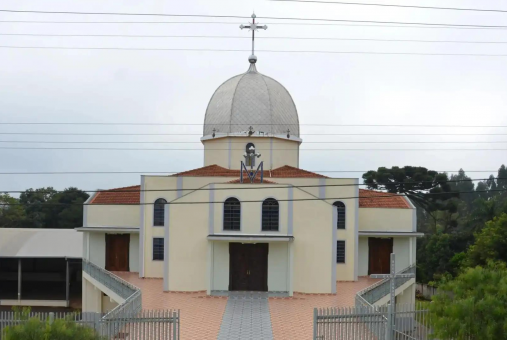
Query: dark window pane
point(232, 214)
point(158, 249)
point(270, 215)
point(340, 251)
point(158, 212)
point(340, 222)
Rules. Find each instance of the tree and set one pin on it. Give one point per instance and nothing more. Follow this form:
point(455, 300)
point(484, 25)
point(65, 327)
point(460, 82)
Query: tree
point(34, 204)
point(472, 306)
point(490, 243)
point(13, 215)
point(462, 183)
point(35, 329)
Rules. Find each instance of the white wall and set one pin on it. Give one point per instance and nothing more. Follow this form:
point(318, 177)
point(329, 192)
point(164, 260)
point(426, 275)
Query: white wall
point(92, 298)
point(363, 256)
point(112, 215)
point(383, 219)
point(97, 248)
point(107, 304)
point(134, 253)
point(278, 267)
point(220, 266)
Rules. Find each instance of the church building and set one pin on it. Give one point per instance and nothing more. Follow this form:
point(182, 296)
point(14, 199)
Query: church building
point(250, 219)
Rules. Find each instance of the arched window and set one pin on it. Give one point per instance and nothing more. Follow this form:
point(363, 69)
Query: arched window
point(270, 214)
point(249, 161)
point(232, 214)
point(340, 207)
point(158, 212)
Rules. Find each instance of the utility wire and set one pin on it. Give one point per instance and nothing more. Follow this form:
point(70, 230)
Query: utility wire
point(237, 23)
point(257, 188)
point(257, 124)
point(244, 17)
point(241, 143)
point(295, 150)
point(238, 50)
point(241, 37)
point(176, 172)
point(253, 201)
point(226, 135)
point(399, 6)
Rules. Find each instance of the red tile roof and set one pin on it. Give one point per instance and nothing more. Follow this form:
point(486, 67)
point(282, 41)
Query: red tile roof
point(257, 180)
point(282, 172)
point(367, 198)
point(377, 199)
point(125, 195)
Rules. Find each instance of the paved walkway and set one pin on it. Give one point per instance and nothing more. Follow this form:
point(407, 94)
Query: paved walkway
point(246, 317)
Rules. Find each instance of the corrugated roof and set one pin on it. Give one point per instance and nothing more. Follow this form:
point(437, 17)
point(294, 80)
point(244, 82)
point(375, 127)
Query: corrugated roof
point(21, 242)
point(378, 199)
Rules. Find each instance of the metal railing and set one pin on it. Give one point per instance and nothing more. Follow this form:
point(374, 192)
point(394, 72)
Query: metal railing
point(118, 285)
point(380, 289)
point(369, 323)
point(146, 325)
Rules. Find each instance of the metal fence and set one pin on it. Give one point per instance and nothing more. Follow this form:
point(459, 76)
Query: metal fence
point(121, 287)
point(369, 323)
point(146, 325)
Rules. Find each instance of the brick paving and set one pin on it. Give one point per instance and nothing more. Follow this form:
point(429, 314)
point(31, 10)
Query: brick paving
point(202, 315)
point(292, 318)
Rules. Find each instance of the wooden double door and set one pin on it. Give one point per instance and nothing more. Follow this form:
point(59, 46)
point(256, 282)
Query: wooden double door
point(117, 252)
point(379, 256)
point(248, 266)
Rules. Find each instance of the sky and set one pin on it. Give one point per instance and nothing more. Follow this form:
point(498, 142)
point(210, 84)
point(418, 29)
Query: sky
point(161, 87)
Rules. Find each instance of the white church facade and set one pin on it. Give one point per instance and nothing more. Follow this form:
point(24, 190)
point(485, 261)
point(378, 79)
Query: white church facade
point(223, 227)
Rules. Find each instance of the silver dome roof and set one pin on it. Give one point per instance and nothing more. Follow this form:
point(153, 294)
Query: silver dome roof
point(251, 99)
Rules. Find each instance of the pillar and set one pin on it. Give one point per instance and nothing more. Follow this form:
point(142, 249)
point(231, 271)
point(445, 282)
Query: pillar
point(67, 282)
point(19, 279)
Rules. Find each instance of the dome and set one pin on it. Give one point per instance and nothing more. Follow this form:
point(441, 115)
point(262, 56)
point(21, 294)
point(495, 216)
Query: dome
point(251, 99)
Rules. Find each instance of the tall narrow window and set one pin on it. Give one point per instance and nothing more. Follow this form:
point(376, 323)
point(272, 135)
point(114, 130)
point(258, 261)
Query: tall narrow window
point(270, 214)
point(249, 161)
point(340, 251)
point(158, 212)
point(232, 214)
point(340, 207)
point(158, 249)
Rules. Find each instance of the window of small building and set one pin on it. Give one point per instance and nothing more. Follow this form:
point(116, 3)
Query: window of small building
point(270, 214)
point(158, 212)
point(340, 251)
point(340, 208)
point(232, 214)
point(158, 249)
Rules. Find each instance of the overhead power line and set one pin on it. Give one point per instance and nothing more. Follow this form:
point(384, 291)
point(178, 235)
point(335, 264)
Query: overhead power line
point(238, 50)
point(250, 201)
point(238, 23)
point(240, 143)
point(398, 6)
point(257, 124)
point(244, 17)
point(245, 37)
point(256, 187)
point(175, 172)
point(218, 136)
point(202, 149)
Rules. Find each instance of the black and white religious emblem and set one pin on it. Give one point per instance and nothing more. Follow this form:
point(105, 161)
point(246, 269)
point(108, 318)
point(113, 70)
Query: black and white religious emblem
point(392, 276)
point(253, 26)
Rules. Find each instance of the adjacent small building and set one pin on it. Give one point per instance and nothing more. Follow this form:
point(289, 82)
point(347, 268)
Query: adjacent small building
point(40, 267)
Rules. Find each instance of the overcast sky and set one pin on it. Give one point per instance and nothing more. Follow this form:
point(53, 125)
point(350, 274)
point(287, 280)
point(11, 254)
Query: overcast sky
point(175, 86)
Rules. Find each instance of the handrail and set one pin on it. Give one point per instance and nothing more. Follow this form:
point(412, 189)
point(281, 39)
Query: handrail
point(132, 295)
point(378, 290)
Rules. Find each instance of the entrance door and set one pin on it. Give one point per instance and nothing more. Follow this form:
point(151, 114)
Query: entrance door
point(248, 266)
point(117, 252)
point(379, 256)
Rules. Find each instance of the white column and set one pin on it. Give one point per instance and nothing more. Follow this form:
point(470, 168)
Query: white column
point(210, 267)
point(290, 279)
point(19, 279)
point(67, 282)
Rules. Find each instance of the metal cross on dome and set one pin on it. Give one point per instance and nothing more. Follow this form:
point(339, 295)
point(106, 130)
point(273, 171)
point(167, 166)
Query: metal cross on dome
point(253, 27)
point(392, 300)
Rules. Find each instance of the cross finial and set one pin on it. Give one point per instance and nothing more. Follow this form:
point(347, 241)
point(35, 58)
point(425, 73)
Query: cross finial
point(253, 27)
